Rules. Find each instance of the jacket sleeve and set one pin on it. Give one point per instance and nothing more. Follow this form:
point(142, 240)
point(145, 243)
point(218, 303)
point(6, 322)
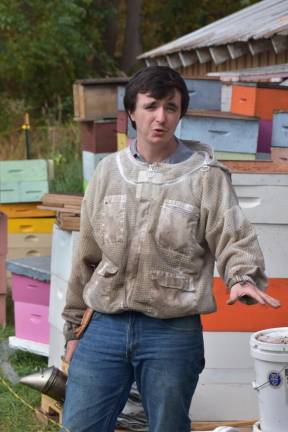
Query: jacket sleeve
point(85, 258)
point(231, 237)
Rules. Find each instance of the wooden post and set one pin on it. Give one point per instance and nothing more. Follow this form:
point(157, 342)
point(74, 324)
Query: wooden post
point(26, 128)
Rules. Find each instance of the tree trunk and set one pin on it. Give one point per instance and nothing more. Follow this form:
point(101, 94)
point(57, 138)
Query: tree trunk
point(132, 44)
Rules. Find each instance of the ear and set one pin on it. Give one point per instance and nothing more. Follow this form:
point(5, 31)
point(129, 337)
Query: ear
point(131, 115)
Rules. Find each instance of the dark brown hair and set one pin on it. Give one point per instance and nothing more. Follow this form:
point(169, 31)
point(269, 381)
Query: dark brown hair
point(158, 82)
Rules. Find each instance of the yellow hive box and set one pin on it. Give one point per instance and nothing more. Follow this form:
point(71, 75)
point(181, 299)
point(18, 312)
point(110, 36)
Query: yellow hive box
point(30, 225)
point(27, 210)
point(29, 240)
point(122, 141)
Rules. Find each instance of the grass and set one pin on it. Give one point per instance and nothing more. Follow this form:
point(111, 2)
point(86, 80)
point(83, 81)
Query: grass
point(59, 142)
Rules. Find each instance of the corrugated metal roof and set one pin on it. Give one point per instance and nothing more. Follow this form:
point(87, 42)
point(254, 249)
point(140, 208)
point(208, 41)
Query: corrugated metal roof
point(259, 21)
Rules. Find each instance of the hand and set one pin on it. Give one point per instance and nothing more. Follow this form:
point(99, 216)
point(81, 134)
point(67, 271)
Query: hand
point(252, 292)
point(71, 347)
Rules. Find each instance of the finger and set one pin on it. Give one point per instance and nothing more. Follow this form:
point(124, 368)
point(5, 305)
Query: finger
point(247, 293)
point(271, 301)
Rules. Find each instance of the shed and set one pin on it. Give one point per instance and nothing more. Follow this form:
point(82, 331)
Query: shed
point(252, 37)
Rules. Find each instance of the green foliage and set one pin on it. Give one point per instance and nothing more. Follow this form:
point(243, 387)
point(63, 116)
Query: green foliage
point(46, 45)
point(25, 363)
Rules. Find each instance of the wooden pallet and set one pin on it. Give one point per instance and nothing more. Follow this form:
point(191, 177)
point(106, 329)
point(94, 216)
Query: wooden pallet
point(50, 409)
point(243, 426)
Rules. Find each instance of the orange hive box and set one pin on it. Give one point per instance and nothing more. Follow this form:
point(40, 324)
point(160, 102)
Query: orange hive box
point(243, 318)
point(256, 101)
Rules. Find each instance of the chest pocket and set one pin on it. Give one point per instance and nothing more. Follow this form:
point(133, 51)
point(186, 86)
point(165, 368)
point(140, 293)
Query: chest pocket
point(114, 216)
point(177, 226)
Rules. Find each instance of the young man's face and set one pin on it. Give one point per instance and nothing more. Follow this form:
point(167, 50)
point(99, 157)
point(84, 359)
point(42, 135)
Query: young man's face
point(156, 119)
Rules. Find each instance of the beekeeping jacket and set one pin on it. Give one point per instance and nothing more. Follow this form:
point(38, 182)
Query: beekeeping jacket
point(150, 236)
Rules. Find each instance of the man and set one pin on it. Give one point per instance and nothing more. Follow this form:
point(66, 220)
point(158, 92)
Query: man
point(154, 219)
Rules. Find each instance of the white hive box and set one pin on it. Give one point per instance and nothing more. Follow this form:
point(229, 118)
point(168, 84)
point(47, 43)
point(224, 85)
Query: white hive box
point(264, 200)
point(58, 290)
point(63, 245)
point(56, 347)
point(225, 391)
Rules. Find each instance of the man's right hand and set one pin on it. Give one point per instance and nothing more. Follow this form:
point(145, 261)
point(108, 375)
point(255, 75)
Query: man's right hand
point(71, 347)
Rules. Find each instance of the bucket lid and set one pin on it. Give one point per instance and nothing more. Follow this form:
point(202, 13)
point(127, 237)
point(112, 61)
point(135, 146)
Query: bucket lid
point(271, 339)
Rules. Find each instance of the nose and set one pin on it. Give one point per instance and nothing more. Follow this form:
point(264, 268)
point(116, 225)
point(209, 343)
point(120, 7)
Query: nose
point(160, 115)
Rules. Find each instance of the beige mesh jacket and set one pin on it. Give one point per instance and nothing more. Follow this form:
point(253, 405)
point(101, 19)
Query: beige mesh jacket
point(150, 235)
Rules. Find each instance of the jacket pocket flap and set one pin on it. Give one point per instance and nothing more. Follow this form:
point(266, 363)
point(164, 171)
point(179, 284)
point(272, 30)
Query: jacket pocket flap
point(170, 280)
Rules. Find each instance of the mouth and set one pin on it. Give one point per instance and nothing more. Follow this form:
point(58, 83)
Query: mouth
point(159, 131)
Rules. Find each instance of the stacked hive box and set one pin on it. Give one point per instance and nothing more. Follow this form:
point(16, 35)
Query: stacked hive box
point(225, 391)
point(231, 136)
point(260, 100)
point(29, 229)
point(95, 106)
point(3, 253)
point(125, 130)
point(279, 149)
point(63, 245)
point(23, 180)
point(30, 293)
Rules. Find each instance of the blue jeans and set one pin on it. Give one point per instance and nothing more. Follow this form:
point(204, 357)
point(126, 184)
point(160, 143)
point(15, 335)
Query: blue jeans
point(165, 357)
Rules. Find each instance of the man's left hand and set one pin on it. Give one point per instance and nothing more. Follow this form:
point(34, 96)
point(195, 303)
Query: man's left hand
point(251, 291)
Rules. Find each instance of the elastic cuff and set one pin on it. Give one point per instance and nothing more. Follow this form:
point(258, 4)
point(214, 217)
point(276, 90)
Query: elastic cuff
point(240, 279)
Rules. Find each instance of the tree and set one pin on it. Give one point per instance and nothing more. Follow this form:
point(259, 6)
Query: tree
point(46, 45)
point(166, 20)
point(132, 44)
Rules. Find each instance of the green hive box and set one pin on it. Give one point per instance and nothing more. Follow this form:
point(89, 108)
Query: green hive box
point(23, 180)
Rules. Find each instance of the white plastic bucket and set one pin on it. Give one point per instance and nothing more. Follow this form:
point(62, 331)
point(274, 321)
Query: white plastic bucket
point(269, 348)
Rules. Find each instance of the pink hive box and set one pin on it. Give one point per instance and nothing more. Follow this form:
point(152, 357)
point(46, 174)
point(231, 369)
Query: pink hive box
point(3, 234)
point(31, 322)
point(2, 275)
point(2, 309)
point(264, 136)
point(28, 290)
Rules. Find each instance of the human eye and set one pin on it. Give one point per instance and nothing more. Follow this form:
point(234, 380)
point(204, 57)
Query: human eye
point(171, 108)
point(150, 106)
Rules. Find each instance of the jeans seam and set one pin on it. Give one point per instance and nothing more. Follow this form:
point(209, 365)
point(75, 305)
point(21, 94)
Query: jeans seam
point(109, 418)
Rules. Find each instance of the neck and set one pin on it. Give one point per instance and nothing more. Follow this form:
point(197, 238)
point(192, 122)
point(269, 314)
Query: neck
point(152, 153)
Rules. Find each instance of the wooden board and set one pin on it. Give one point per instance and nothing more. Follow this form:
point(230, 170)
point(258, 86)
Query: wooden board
point(68, 222)
point(50, 409)
point(58, 199)
point(219, 114)
point(257, 166)
point(65, 209)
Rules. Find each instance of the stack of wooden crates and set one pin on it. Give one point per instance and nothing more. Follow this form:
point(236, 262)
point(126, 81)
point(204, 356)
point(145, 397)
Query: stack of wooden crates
point(95, 106)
